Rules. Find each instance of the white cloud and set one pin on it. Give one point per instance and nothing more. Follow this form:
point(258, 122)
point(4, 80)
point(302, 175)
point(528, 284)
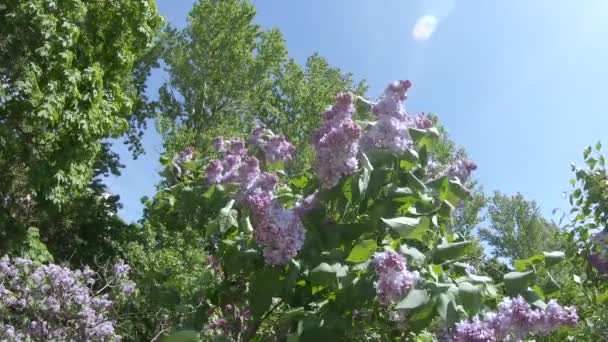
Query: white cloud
point(424, 27)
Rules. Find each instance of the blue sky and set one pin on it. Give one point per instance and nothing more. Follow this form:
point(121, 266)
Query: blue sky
point(520, 84)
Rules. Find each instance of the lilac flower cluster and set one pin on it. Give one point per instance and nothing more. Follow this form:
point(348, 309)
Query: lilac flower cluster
point(276, 148)
point(336, 142)
point(50, 302)
point(391, 129)
point(515, 320)
point(277, 229)
point(599, 257)
point(461, 170)
point(394, 280)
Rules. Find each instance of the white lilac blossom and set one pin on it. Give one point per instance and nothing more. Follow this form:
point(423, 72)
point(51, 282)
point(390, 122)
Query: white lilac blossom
point(394, 279)
point(336, 142)
point(599, 256)
point(51, 302)
point(278, 230)
point(515, 320)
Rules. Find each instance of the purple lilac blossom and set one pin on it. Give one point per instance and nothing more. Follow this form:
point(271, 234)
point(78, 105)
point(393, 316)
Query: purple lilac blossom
point(423, 122)
point(599, 257)
point(336, 142)
point(308, 203)
point(515, 320)
point(278, 230)
point(276, 148)
point(390, 131)
point(281, 233)
point(51, 302)
point(461, 170)
point(218, 143)
point(121, 269)
point(394, 280)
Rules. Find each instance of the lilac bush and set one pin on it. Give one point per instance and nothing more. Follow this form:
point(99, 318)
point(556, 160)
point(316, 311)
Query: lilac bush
point(51, 302)
point(387, 207)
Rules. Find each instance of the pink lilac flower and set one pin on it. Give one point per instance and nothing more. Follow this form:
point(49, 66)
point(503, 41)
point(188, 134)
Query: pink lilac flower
point(394, 280)
point(336, 142)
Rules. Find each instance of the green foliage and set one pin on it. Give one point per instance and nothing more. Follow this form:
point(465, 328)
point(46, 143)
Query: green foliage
point(72, 75)
point(226, 74)
point(68, 82)
point(516, 228)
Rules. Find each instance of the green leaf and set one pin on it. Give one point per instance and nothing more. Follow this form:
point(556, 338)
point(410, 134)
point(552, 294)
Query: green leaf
point(420, 318)
point(413, 253)
point(425, 138)
point(470, 296)
point(535, 297)
point(551, 286)
point(451, 251)
point(325, 274)
point(517, 282)
point(441, 185)
point(362, 251)
point(525, 264)
point(409, 159)
point(183, 336)
point(458, 190)
point(603, 298)
point(264, 285)
point(476, 279)
point(436, 287)
point(414, 183)
point(409, 227)
point(300, 181)
point(577, 279)
point(552, 258)
point(446, 308)
point(415, 298)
